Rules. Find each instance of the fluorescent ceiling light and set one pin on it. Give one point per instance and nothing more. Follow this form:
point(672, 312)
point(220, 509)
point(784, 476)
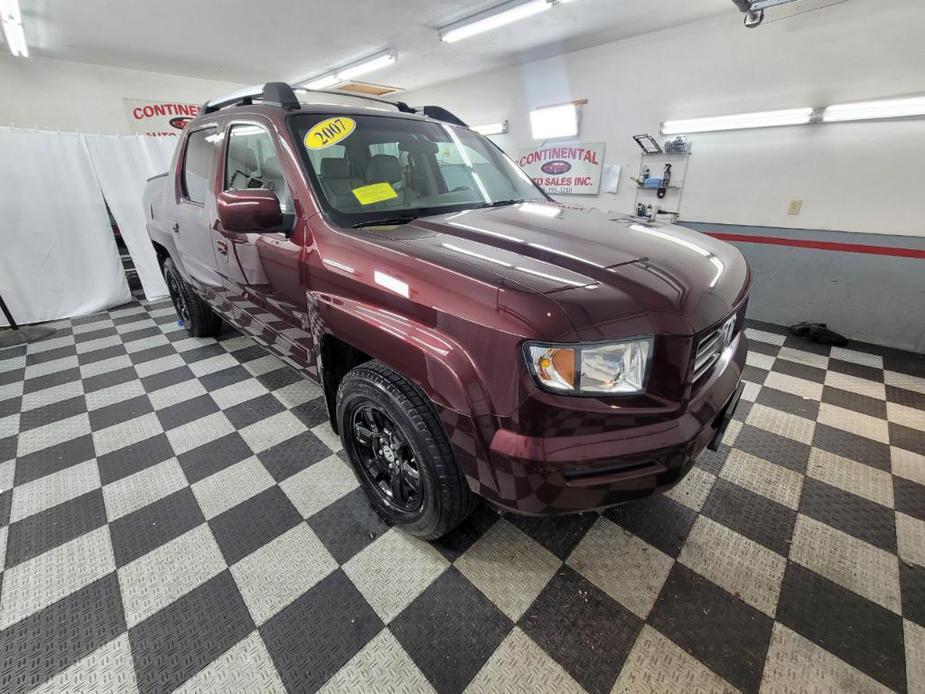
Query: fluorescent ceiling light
point(12, 28)
point(554, 121)
point(376, 62)
point(871, 110)
point(741, 121)
point(492, 19)
point(491, 128)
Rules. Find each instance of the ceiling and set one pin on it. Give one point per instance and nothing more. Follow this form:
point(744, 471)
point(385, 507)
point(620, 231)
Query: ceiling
point(250, 42)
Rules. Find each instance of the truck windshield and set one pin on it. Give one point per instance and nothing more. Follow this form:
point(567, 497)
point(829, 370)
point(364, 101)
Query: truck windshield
point(368, 168)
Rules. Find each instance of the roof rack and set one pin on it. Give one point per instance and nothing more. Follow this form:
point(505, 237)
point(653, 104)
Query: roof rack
point(282, 94)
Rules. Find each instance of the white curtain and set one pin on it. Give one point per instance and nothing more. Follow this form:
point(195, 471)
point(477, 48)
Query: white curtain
point(122, 164)
point(58, 256)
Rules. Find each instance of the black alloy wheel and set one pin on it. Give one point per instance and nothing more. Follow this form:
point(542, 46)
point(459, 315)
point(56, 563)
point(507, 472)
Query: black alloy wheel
point(177, 296)
point(387, 459)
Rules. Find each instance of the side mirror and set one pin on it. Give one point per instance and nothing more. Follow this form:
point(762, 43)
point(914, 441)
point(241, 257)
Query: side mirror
point(252, 211)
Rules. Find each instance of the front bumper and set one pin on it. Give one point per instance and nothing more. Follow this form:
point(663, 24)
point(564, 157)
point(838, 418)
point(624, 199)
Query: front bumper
point(565, 474)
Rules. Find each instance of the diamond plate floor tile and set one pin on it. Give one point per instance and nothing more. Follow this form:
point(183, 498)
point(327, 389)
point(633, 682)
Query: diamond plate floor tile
point(372, 571)
point(51, 490)
point(229, 487)
point(320, 485)
point(519, 665)
point(863, 480)
point(625, 567)
point(245, 667)
point(136, 491)
point(271, 577)
point(762, 477)
point(382, 665)
point(658, 666)
point(107, 670)
point(347, 525)
point(319, 633)
point(796, 664)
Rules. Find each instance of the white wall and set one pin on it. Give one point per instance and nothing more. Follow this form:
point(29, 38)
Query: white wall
point(864, 177)
point(61, 95)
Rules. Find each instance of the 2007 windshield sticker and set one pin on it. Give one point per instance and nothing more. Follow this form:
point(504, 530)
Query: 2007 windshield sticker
point(329, 132)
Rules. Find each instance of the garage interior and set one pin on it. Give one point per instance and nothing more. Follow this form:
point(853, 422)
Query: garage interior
point(177, 513)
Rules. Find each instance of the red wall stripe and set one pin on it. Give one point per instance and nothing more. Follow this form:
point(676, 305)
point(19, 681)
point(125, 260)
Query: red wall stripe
point(821, 245)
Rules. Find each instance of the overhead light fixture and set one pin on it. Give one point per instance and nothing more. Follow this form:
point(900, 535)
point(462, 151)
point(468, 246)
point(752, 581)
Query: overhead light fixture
point(492, 19)
point(375, 62)
point(554, 121)
point(491, 128)
point(12, 28)
point(873, 110)
point(741, 121)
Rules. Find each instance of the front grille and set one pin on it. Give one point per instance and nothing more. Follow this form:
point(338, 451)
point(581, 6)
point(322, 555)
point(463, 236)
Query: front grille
point(711, 347)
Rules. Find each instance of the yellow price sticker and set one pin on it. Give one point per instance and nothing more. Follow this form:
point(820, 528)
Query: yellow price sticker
point(376, 192)
point(329, 132)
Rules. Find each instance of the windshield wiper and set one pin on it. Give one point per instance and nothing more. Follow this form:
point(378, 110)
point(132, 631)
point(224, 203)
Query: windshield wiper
point(498, 203)
point(386, 221)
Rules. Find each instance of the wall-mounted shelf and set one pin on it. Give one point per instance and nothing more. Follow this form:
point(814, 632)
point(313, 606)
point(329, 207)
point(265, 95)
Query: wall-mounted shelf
point(656, 163)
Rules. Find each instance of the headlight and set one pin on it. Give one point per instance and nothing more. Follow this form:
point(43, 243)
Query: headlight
point(601, 369)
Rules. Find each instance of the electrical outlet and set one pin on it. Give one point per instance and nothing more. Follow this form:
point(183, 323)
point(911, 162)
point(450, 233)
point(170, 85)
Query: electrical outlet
point(796, 206)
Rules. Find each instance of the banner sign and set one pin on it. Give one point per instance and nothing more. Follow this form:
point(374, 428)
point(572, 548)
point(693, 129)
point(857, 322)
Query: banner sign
point(573, 169)
point(159, 118)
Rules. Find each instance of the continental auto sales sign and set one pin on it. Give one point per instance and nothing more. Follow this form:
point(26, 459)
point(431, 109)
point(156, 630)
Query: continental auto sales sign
point(569, 169)
point(159, 118)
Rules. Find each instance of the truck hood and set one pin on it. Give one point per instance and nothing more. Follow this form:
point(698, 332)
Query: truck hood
point(610, 273)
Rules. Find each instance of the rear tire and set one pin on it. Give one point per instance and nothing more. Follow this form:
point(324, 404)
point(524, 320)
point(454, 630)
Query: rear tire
point(400, 452)
point(197, 316)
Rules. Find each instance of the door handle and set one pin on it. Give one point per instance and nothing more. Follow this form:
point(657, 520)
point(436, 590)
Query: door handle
point(222, 247)
point(176, 227)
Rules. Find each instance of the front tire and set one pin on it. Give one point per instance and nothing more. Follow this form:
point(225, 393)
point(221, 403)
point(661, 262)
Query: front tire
point(400, 452)
point(198, 318)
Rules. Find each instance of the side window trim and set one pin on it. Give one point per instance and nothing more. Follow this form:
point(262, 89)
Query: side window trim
point(228, 129)
point(184, 197)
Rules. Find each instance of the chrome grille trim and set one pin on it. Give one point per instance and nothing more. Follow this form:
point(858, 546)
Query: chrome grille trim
point(711, 347)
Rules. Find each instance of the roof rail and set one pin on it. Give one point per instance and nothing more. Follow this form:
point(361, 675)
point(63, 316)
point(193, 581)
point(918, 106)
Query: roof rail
point(281, 94)
point(274, 93)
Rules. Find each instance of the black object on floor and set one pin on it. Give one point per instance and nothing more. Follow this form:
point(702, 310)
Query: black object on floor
point(21, 335)
point(818, 332)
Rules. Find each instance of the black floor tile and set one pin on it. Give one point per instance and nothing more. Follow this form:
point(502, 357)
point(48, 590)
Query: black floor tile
point(852, 514)
point(49, 414)
point(253, 523)
point(724, 633)
point(103, 354)
point(191, 356)
point(752, 515)
point(660, 521)
point(348, 525)
point(174, 644)
point(141, 531)
point(787, 402)
point(571, 613)
point(869, 373)
point(763, 348)
point(216, 455)
point(48, 529)
point(52, 459)
point(109, 379)
point(797, 370)
point(141, 334)
point(905, 437)
point(119, 412)
point(462, 537)
point(8, 446)
point(224, 377)
point(559, 534)
point(33, 358)
point(133, 458)
point(450, 631)
point(909, 497)
point(319, 632)
point(312, 413)
point(10, 406)
point(99, 333)
point(856, 630)
point(909, 398)
point(11, 376)
point(167, 378)
point(293, 455)
point(854, 401)
point(852, 446)
point(279, 378)
point(253, 410)
point(753, 374)
point(152, 353)
point(780, 450)
point(57, 378)
point(804, 345)
point(43, 644)
point(186, 411)
point(912, 588)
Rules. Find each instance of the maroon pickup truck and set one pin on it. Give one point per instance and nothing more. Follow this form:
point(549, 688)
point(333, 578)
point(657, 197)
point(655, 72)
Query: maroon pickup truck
point(472, 336)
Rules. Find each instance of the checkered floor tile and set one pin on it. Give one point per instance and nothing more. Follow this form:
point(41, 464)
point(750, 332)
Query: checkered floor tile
point(176, 514)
